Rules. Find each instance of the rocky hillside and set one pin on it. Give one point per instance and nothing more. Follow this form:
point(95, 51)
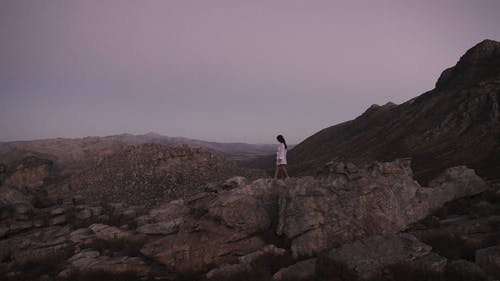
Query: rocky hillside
point(457, 123)
point(67, 155)
point(233, 151)
point(72, 154)
point(147, 174)
point(349, 223)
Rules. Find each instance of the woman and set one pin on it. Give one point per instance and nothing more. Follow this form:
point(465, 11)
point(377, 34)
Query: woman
point(281, 156)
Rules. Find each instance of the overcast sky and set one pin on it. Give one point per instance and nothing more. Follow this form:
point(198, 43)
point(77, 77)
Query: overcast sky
point(222, 70)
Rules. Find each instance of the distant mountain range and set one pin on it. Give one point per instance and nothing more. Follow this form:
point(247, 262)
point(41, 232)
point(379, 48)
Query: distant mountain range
point(234, 151)
point(67, 153)
point(457, 123)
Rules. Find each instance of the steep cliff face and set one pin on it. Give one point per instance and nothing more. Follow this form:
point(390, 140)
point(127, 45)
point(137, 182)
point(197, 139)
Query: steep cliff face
point(457, 123)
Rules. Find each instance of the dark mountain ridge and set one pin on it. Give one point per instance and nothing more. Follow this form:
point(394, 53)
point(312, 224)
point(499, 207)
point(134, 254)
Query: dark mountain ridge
point(457, 123)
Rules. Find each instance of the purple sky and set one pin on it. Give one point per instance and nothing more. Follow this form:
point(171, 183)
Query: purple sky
point(221, 70)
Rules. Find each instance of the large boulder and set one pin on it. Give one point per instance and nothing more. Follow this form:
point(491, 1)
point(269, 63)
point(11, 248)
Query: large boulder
point(340, 207)
point(30, 172)
point(489, 260)
point(37, 246)
point(369, 256)
point(206, 243)
point(219, 227)
point(303, 270)
point(89, 261)
point(248, 265)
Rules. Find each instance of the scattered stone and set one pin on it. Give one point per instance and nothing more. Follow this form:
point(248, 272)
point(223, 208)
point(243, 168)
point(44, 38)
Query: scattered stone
point(78, 200)
point(432, 261)
point(3, 231)
point(369, 256)
point(41, 245)
point(23, 211)
point(82, 237)
point(234, 182)
point(20, 226)
point(465, 270)
point(143, 220)
point(84, 214)
point(245, 264)
point(303, 270)
point(57, 211)
point(164, 228)
point(58, 220)
point(89, 260)
point(268, 250)
point(488, 259)
point(172, 210)
point(96, 211)
point(39, 223)
point(107, 233)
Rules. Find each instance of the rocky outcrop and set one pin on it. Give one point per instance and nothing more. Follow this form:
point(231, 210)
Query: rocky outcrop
point(489, 260)
point(88, 261)
point(30, 172)
point(303, 270)
point(367, 257)
point(246, 264)
point(218, 229)
point(37, 246)
point(478, 64)
point(314, 213)
point(267, 229)
point(381, 199)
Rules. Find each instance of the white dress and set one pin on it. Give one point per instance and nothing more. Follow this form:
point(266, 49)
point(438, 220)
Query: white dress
point(281, 155)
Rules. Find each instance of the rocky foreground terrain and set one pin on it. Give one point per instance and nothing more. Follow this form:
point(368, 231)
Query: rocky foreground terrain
point(457, 123)
point(349, 223)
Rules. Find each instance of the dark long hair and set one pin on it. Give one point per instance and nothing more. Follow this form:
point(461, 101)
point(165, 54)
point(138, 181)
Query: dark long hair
point(281, 139)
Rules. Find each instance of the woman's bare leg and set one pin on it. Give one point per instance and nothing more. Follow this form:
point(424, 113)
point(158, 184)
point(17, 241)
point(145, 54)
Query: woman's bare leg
point(276, 172)
point(284, 170)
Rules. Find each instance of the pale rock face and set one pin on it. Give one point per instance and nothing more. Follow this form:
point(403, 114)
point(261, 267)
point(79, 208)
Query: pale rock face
point(303, 270)
point(89, 260)
point(164, 228)
point(488, 259)
point(31, 172)
point(207, 243)
point(108, 233)
point(36, 246)
point(384, 199)
point(244, 264)
point(368, 256)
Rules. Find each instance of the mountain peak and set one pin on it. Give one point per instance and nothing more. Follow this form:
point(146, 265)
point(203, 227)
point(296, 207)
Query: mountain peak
point(153, 135)
point(478, 64)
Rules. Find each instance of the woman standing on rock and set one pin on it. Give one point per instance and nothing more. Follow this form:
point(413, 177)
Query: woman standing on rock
point(281, 157)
